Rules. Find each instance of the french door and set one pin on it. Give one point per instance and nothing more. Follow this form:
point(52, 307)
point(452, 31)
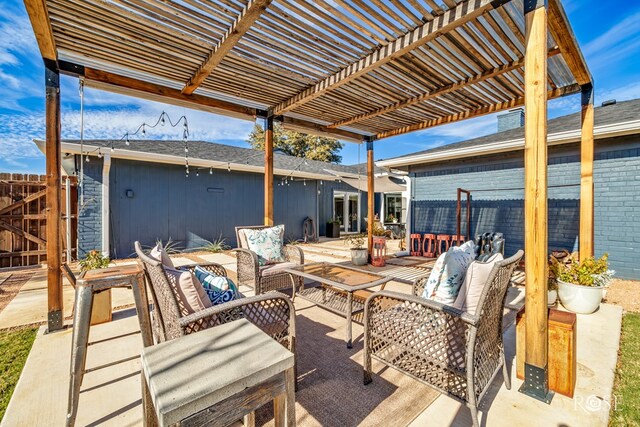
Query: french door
point(346, 209)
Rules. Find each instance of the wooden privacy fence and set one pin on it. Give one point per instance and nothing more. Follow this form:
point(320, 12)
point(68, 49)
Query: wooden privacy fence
point(23, 221)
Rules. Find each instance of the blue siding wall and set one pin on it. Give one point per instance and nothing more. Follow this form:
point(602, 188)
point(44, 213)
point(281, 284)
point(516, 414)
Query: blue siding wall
point(90, 213)
point(191, 210)
point(617, 199)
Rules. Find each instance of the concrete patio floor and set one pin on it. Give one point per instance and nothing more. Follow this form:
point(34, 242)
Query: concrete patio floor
point(111, 396)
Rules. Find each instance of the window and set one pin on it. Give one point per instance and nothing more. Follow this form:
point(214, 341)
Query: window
point(392, 207)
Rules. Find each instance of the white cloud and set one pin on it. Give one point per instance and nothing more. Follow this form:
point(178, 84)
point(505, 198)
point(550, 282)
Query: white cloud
point(619, 42)
point(623, 93)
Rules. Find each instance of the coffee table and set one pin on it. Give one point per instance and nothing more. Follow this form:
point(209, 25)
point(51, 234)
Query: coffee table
point(343, 289)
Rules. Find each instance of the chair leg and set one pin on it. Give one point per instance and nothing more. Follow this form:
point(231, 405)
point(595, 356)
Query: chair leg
point(474, 416)
point(279, 414)
point(290, 406)
point(366, 371)
point(505, 373)
point(249, 419)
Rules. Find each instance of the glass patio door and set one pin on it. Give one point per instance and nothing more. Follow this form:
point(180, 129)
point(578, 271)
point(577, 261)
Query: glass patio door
point(346, 209)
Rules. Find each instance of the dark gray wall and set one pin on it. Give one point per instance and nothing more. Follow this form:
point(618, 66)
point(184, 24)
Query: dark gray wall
point(90, 212)
point(191, 210)
point(617, 199)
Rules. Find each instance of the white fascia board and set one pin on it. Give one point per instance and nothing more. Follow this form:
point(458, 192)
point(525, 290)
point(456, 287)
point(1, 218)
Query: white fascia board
point(558, 138)
point(92, 150)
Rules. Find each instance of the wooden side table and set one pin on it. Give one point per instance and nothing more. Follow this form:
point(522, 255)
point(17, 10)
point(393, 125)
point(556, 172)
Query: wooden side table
point(562, 362)
point(91, 283)
point(219, 375)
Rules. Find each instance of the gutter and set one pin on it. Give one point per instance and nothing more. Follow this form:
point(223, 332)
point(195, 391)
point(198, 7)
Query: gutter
point(124, 154)
point(558, 138)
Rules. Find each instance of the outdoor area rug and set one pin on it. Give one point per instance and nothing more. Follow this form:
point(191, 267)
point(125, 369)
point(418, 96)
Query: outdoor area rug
point(330, 390)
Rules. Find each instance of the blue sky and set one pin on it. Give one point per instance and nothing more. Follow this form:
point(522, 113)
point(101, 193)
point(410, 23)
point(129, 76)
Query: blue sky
point(609, 33)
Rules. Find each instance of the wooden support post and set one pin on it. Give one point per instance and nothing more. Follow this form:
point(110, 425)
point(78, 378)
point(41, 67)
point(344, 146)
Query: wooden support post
point(586, 174)
point(370, 196)
point(54, 196)
point(268, 171)
point(535, 201)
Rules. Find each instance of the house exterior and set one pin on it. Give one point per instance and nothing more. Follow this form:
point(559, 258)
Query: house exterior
point(492, 168)
point(140, 191)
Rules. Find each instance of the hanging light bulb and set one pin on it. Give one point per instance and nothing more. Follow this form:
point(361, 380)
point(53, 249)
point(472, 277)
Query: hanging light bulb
point(112, 149)
point(162, 118)
point(87, 158)
point(321, 183)
point(197, 173)
point(99, 154)
point(127, 140)
point(184, 136)
point(228, 167)
point(304, 182)
point(210, 171)
point(143, 130)
point(186, 149)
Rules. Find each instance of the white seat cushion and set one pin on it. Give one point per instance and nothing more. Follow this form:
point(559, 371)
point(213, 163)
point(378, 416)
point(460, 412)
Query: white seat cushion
point(474, 283)
point(271, 269)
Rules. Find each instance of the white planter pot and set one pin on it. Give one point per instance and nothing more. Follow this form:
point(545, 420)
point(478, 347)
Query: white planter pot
point(580, 299)
point(359, 256)
point(552, 296)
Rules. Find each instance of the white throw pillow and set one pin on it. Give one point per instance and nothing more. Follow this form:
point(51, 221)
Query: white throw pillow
point(158, 253)
point(453, 272)
point(188, 290)
point(434, 277)
point(474, 283)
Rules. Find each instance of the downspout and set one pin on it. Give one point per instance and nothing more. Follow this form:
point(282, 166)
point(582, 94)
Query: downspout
point(106, 166)
point(408, 224)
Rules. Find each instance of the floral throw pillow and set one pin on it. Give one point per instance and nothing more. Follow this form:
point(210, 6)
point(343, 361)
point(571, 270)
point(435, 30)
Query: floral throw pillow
point(266, 243)
point(454, 270)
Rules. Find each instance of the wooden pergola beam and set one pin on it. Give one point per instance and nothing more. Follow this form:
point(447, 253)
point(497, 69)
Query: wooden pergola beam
point(586, 239)
point(565, 38)
point(505, 68)
point(39, 17)
point(268, 172)
point(240, 26)
point(494, 108)
point(449, 20)
point(105, 80)
point(535, 201)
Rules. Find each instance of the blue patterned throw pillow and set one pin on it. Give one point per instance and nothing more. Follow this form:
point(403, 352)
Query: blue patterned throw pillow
point(219, 289)
point(266, 243)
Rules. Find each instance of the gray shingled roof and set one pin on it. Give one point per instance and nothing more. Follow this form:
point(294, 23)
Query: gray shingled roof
point(618, 113)
point(224, 153)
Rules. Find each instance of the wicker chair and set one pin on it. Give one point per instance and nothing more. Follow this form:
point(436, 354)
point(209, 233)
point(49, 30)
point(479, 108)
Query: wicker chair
point(266, 278)
point(456, 353)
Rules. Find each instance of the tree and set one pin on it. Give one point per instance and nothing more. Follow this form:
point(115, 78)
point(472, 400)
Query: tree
point(298, 144)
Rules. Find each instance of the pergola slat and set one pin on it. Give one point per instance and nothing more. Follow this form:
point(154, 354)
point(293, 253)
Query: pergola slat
point(563, 35)
point(249, 15)
point(449, 20)
point(39, 16)
point(442, 90)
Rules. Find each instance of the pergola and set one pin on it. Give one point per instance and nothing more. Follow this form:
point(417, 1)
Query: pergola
point(360, 71)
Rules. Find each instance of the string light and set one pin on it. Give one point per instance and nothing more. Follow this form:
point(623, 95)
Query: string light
point(162, 120)
point(228, 167)
point(210, 171)
point(99, 154)
point(87, 158)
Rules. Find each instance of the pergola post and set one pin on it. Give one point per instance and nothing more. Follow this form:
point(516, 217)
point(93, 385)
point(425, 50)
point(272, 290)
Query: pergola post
point(370, 195)
point(586, 174)
point(268, 171)
point(535, 201)
point(53, 197)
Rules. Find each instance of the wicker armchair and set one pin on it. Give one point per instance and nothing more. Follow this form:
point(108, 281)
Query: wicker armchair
point(266, 278)
point(272, 312)
point(456, 353)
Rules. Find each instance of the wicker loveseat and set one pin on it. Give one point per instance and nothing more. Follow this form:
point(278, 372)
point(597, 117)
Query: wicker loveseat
point(270, 277)
point(456, 353)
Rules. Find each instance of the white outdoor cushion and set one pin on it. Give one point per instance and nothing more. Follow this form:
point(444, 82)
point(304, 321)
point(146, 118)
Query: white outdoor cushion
point(158, 253)
point(454, 270)
point(474, 283)
point(434, 277)
point(188, 290)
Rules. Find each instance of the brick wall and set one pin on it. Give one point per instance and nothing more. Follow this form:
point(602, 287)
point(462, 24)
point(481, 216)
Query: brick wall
point(90, 213)
point(498, 203)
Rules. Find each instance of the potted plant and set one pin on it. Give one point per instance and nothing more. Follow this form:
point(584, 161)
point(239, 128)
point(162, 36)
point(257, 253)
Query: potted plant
point(359, 254)
point(333, 228)
point(94, 260)
point(581, 283)
point(391, 218)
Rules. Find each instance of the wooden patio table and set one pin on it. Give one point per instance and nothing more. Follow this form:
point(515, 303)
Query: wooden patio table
point(93, 282)
point(339, 285)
